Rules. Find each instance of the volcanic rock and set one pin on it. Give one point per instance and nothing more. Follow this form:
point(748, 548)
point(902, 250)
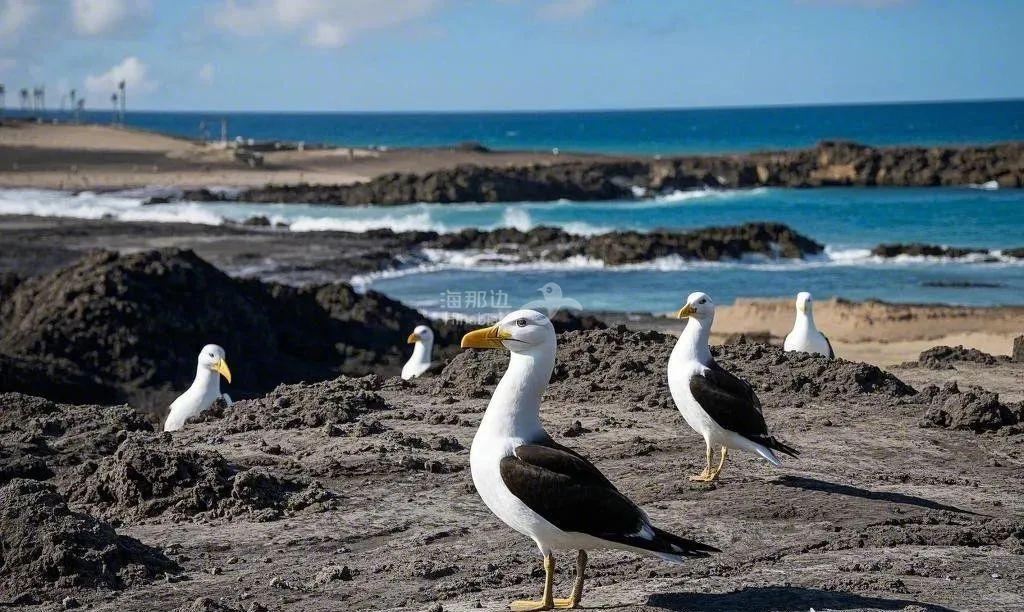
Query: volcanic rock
point(48, 547)
point(973, 409)
point(939, 357)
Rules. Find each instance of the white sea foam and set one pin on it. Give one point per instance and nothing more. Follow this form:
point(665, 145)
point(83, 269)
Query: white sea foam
point(987, 185)
point(398, 223)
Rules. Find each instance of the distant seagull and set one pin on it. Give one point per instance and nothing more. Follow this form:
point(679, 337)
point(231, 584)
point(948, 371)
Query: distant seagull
point(205, 388)
point(553, 301)
point(419, 363)
point(719, 406)
point(805, 336)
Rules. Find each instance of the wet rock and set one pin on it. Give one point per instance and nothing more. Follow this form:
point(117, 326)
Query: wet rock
point(939, 357)
point(972, 409)
point(50, 548)
point(927, 250)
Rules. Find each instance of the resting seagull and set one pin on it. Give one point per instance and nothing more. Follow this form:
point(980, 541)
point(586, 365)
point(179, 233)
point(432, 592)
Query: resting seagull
point(205, 388)
point(719, 406)
point(805, 336)
point(539, 487)
point(419, 363)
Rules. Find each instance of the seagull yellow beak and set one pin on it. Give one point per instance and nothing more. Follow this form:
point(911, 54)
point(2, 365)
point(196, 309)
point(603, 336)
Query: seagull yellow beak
point(413, 338)
point(686, 311)
point(222, 367)
point(488, 337)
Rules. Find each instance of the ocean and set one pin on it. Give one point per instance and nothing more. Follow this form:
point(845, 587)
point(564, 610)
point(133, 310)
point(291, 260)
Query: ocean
point(849, 221)
point(627, 131)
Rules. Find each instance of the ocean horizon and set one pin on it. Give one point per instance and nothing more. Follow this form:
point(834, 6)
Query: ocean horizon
point(613, 131)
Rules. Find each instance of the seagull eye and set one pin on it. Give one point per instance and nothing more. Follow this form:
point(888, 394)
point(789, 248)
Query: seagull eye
point(211, 354)
point(703, 301)
point(521, 322)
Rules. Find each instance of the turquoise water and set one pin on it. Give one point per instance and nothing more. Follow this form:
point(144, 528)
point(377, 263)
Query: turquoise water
point(848, 221)
point(626, 131)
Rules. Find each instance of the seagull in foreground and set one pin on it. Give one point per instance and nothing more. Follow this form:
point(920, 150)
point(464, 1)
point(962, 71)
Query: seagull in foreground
point(205, 388)
point(419, 363)
point(719, 406)
point(805, 336)
point(539, 487)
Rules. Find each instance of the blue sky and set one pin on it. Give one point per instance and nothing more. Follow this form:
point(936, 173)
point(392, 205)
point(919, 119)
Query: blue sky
point(323, 55)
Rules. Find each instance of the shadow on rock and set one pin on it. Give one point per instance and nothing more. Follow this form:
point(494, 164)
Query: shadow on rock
point(781, 599)
point(813, 484)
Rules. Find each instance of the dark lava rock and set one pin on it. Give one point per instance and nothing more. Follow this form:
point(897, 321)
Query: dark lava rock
point(837, 163)
point(148, 477)
point(59, 380)
point(939, 357)
point(624, 247)
point(45, 546)
point(1018, 349)
point(135, 323)
point(926, 250)
point(8, 283)
point(41, 438)
point(628, 366)
point(972, 409)
point(342, 400)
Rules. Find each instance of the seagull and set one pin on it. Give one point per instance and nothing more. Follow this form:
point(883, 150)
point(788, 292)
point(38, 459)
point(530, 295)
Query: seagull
point(539, 487)
point(719, 406)
point(553, 300)
point(205, 388)
point(419, 363)
point(805, 336)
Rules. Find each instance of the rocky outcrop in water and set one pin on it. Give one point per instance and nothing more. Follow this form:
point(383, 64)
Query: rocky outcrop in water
point(831, 163)
point(916, 249)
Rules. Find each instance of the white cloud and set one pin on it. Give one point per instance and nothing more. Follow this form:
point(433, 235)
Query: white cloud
point(102, 17)
point(132, 71)
point(319, 23)
point(567, 9)
point(15, 15)
point(207, 73)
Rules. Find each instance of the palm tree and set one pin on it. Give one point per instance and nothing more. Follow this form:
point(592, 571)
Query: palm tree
point(120, 86)
point(113, 100)
point(3, 99)
point(24, 98)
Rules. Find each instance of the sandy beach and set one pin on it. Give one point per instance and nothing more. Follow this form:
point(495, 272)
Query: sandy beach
point(99, 157)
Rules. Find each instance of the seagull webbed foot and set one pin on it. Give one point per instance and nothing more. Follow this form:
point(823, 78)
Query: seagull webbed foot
point(531, 605)
point(566, 604)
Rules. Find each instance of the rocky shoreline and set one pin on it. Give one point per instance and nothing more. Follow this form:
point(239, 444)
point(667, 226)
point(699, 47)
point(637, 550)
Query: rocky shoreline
point(830, 164)
point(916, 249)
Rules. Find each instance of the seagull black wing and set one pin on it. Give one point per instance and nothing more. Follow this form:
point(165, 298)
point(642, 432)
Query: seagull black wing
point(831, 353)
point(732, 403)
point(573, 495)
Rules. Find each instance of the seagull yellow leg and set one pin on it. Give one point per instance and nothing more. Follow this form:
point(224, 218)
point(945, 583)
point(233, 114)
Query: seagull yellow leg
point(576, 598)
point(547, 601)
point(706, 474)
point(721, 462)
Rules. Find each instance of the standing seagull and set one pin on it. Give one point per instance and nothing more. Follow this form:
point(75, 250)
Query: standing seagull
point(539, 487)
point(717, 405)
point(205, 388)
point(805, 336)
point(419, 363)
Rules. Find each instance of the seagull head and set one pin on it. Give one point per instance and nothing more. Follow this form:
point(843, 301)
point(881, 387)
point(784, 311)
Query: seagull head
point(551, 290)
point(212, 358)
point(698, 306)
point(423, 334)
point(520, 332)
point(803, 302)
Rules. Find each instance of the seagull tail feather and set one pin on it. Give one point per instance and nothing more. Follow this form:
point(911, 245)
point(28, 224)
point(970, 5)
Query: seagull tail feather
point(676, 549)
point(783, 448)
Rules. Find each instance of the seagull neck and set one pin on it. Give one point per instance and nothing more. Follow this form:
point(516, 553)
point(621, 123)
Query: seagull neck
point(514, 409)
point(695, 338)
point(805, 320)
point(421, 351)
point(206, 379)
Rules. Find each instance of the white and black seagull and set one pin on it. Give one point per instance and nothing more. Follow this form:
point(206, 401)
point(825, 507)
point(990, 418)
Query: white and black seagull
point(805, 335)
point(719, 406)
point(539, 487)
